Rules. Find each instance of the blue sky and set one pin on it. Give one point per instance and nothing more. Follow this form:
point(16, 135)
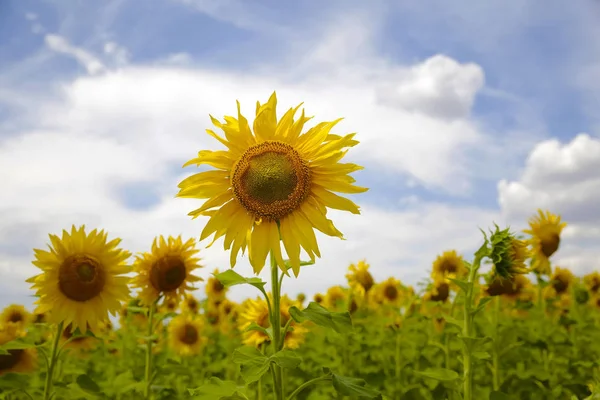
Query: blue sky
point(463, 111)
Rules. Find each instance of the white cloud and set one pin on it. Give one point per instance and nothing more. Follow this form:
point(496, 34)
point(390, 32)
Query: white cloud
point(562, 178)
point(86, 59)
point(31, 16)
point(118, 53)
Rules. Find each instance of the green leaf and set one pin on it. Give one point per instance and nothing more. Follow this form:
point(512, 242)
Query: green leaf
point(87, 384)
point(454, 321)
point(347, 386)
point(255, 327)
point(481, 355)
point(232, 278)
point(496, 395)
point(286, 359)
point(138, 310)
point(338, 321)
point(288, 265)
point(440, 374)
point(16, 345)
point(217, 389)
point(253, 364)
point(15, 381)
point(473, 342)
point(464, 285)
point(481, 305)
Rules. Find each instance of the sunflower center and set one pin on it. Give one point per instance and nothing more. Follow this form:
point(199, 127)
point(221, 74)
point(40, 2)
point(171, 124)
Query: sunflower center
point(391, 292)
point(366, 280)
point(263, 320)
point(218, 287)
point(271, 180)
point(550, 244)
point(168, 273)
point(442, 291)
point(193, 305)
point(189, 335)
point(8, 361)
point(449, 267)
point(81, 277)
point(15, 317)
point(353, 307)
point(560, 285)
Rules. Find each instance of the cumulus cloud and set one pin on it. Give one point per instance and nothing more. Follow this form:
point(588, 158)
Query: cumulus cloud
point(562, 178)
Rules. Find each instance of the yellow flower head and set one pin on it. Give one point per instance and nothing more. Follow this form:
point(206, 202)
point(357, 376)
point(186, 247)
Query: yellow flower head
point(80, 344)
point(448, 265)
point(215, 290)
point(545, 230)
point(335, 298)
point(390, 291)
point(439, 292)
point(15, 314)
point(319, 298)
point(560, 282)
point(166, 270)
point(18, 360)
point(254, 311)
point(80, 280)
point(132, 319)
point(512, 288)
point(592, 282)
point(359, 277)
point(272, 182)
point(190, 305)
point(301, 298)
point(185, 335)
point(169, 306)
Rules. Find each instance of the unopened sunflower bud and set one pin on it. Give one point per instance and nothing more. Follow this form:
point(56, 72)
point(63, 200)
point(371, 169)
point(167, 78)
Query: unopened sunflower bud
point(508, 254)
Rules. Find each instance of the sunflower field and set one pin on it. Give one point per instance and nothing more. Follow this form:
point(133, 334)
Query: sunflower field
point(504, 323)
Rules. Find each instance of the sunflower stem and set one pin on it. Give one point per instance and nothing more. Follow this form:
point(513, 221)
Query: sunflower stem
point(398, 364)
point(148, 371)
point(52, 361)
point(468, 332)
point(495, 353)
point(307, 384)
point(276, 325)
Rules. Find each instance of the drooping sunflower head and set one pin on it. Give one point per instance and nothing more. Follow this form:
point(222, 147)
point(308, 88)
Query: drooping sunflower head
point(186, 335)
point(511, 288)
point(254, 311)
point(335, 297)
point(215, 290)
point(592, 282)
point(508, 254)
point(190, 305)
point(561, 281)
point(545, 230)
point(80, 280)
point(390, 291)
point(15, 314)
point(166, 270)
point(439, 291)
point(17, 360)
point(359, 277)
point(273, 182)
point(448, 265)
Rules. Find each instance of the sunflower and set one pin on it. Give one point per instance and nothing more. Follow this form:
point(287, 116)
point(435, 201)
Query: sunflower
point(185, 335)
point(272, 183)
point(215, 290)
point(560, 282)
point(254, 311)
point(166, 270)
point(335, 297)
point(39, 318)
point(448, 265)
point(545, 230)
point(439, 292)
point(294, 337)
point(80, 281)
point(190, 305)
point(508, 254)
point(359, 278)
point(17, 360)
point(132, 319)
point(592, 282)
point(515, 287)
point(319, 298)
point(79, 344)
point(301, 298)
point(15, 314)
point(390, 291)
point(228, 309)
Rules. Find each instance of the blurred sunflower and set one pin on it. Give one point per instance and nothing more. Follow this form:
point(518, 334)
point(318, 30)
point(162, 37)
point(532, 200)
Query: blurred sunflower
point(273, 184)
point(545, 230)
point(508, 254)
point(215, 290)
point(448, 265)
point(190, 305)
point(359, 278)
point(15, 314)
point(166, 270)
point(79, 344)
point(228, 309)
point(439, 291)
point(254, 311)
point(301, 298)
point(17, 360)
point(319, 298)
point(169, 306)
point(592, 282)
point(80, 282)
point(132, 319)
point(335, 297)
point(185, 335)
point(39, 318)
point(390, 291)
point(560, 282)
point(515, 287)
point(295, 335)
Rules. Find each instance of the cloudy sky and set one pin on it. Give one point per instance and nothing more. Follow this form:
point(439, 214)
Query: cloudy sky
point(467, 114)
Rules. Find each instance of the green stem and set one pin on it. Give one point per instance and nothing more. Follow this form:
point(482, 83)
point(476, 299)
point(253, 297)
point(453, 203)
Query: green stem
point(276, 325)
point(468, 332)
point(52, 361)
point(495, 354)
point(447, 347)
point(307, 384)
point(397, 360)
point(149, 343)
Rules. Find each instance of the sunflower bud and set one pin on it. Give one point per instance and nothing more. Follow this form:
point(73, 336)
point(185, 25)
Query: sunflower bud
point(508, 254)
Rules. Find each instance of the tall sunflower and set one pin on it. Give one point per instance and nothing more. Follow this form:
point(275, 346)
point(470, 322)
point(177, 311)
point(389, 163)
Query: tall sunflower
point(545, 230)
point(166, 270)
point(185, 335)
point(272, 182)
point(17, 360)
point(80, 280)
point(359, 278)
point(448, 265)
point(15, 314)
point(335, 297)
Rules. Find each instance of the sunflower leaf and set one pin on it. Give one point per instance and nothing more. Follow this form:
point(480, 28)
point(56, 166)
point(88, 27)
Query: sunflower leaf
point(217, 389)
point(338, 321)
point(286, 359)
point(16, 345)
point(481, 305)
point(461, 284)
point(440, 374)
point(347, 386)
point(232, 278)
point(255, 327)
point(496, 395)
point(454, 321)
point(87, 384)
point(253, 363)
